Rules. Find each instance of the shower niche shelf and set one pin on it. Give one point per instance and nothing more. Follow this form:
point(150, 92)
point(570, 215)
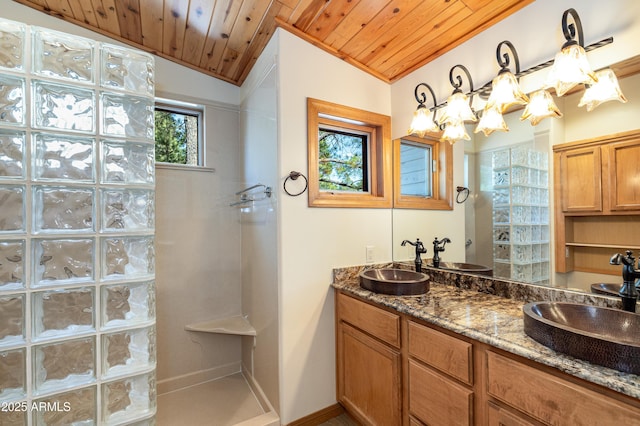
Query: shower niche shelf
point(237, 325)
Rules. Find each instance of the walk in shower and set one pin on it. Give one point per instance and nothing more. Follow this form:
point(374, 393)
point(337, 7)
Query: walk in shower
point(77, 188)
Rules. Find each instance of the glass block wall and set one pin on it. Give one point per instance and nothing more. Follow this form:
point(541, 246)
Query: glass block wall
point(77, 320)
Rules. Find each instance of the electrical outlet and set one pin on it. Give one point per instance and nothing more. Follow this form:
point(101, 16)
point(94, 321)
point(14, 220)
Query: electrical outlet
point(369, 254)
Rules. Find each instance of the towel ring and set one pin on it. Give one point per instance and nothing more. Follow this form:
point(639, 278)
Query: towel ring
point(294, 176)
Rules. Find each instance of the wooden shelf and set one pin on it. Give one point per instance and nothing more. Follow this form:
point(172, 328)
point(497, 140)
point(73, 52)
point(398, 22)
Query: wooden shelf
point(237, 325)
point(607, 246)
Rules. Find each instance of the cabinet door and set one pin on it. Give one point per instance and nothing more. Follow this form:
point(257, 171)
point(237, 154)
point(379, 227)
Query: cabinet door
point(581, 180)
point(500, 417)
point(368, 377)
point(624, 175)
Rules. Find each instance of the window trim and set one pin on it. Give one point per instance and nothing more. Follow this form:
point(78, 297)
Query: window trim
point(379, 158)
point(185, 108)
point(442, 178)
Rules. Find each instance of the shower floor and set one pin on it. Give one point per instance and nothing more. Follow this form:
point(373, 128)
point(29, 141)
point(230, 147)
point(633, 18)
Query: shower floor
point(222, 402)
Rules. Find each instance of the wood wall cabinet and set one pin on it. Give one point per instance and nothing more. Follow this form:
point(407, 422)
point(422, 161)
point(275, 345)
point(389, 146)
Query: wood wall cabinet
point(393, 369)
point(597, 198)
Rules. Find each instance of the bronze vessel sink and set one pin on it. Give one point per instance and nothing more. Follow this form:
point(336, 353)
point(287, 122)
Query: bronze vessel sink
point(603, 336)
point(606, 289)
point(397, 282)
point(468, 268)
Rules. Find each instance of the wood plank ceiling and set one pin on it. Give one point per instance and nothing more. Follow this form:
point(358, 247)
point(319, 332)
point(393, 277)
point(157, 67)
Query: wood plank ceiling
point(223, 38)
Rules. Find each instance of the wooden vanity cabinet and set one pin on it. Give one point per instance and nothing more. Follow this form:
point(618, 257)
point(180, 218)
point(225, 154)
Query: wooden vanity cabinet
point(368, 362)
point(581, 179)
point(395, 370)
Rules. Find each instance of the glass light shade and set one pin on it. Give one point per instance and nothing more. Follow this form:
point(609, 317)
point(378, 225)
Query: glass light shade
point(458, 109)
point(505, 91)
point(455, 132)
point(604, 90)
point(422, 122)
point(540, 106)
point(491, 121)
point(570, 68)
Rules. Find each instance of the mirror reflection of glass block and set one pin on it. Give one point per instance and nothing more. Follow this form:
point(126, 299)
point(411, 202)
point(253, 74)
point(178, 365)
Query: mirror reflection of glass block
point(77, 407)
point(61, 55)
point(62, 157)
point(11, 264)
point(127, 304)
point(127, 69)
point(12, 323)
point(62, 313)
point(12, 100)
point(127, 210)
point(126, 352)
point(14, 418)
point(12, 40)
point(11, 208)
point(63, 209)
point(128, 398)
point(14, 376)
point(62, 261)
point(63, 107)
point(127, 116)
point(128, 163)
point(12, 154)
point(128, 257)
point(61, 365)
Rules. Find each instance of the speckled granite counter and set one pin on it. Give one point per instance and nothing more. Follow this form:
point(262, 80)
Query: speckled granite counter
point(490, 319)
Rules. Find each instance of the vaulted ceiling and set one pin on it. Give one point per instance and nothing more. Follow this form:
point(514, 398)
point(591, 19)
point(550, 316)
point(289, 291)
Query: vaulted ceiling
point(223, 38)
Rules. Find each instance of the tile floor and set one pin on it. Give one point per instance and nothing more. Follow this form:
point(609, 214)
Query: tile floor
point(221, 402)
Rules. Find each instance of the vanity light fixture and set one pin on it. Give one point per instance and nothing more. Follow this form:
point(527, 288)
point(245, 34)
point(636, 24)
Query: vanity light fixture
point(505, 90)
point(606, 89)
point(570, 66)
point(540, 106)
point(458, 108)
point(424, 119)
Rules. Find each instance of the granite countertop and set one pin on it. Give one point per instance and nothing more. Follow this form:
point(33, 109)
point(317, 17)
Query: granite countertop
point(491, 319)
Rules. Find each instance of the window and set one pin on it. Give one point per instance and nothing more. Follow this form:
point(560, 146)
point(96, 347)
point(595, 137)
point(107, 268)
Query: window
point(349, 156)
point(178, 133)
point(423, 174)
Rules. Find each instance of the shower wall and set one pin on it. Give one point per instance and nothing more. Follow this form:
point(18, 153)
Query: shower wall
point(77, 189)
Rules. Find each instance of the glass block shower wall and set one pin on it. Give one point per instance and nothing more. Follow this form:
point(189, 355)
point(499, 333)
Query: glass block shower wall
point(77, 320)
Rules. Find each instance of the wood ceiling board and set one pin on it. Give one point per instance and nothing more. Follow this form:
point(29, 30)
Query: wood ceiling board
point(152, 20)
point(376, 31)
point(83, 12)
point(224, 17)
point(129, 20)
point(298, 10)
point(327, 21)
point(106, 16)
point(197, 28)
point(175, 22)
point(60, 6)
point(354, 22)
point(311, 13)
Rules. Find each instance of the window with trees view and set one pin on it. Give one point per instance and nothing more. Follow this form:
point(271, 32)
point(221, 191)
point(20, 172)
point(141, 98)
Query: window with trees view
point(343, 160)
point(349, 156)
point(178, 134)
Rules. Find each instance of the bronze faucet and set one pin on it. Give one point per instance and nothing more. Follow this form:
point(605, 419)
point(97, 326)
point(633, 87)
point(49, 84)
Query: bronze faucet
point(628, 292)
point(437, 248)
point(419, 250)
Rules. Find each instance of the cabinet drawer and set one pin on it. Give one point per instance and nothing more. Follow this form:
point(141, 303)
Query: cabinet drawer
point(551, 399)
point(500, 417)
point(446, 353)
point(377, 322)
point(436, 400)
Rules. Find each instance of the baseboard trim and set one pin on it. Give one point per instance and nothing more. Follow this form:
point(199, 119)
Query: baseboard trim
point(319, 417)
point(197, 377)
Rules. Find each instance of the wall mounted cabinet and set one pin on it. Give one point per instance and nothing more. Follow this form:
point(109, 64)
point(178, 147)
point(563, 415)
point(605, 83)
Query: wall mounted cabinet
point(597, 194)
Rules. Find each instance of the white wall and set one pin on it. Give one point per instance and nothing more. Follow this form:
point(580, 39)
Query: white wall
point(315, 240)
point(197, 234)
